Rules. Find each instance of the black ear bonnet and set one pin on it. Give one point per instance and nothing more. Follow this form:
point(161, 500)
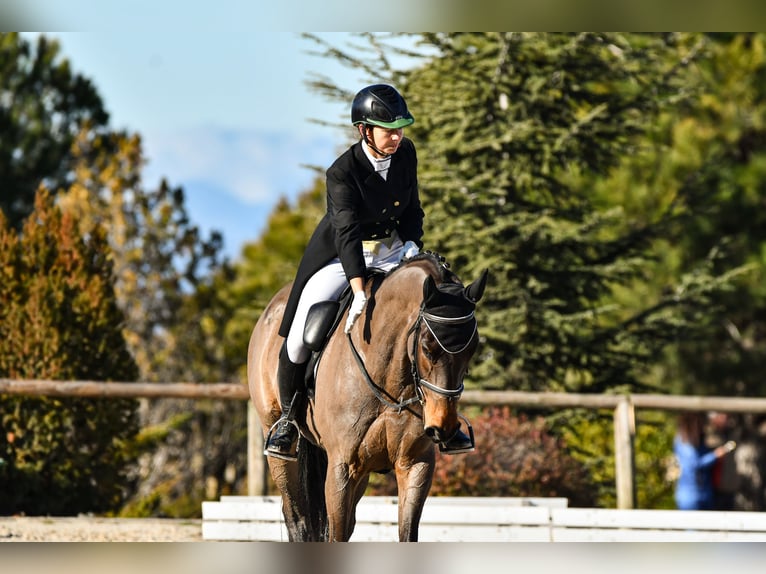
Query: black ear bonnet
point(449, 314)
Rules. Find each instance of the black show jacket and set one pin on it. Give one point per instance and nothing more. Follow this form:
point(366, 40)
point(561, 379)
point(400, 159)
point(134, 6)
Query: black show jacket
point(361, 206)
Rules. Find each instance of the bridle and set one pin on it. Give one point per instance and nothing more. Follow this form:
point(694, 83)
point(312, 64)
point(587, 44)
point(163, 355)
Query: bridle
point(424, 317)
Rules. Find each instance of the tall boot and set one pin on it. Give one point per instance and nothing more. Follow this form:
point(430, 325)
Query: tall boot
point(459, 442)
point(282, 441)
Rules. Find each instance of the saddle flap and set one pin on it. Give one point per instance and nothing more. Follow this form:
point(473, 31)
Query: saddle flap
point(319, 321)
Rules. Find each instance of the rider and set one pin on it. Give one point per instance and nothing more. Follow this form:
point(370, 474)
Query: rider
point(373, 219)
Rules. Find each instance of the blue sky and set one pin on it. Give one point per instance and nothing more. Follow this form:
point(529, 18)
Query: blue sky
point(216, 90)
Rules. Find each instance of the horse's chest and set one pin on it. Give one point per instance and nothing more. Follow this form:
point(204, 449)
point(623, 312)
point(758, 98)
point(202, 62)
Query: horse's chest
point(389, 436)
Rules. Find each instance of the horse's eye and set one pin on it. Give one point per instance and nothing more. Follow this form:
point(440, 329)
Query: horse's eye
point(428, 351)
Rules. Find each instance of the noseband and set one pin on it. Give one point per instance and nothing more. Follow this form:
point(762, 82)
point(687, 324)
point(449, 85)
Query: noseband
point(429, 319)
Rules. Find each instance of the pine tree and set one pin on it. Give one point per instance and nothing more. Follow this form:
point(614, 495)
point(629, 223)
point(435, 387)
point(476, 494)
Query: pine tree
point(160, 256)
point(727, 131)
point(166, 275)
point(43, 106)
point(514, 131)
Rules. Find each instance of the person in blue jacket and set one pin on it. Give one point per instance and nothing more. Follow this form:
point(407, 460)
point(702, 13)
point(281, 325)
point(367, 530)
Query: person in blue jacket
point(694, 487)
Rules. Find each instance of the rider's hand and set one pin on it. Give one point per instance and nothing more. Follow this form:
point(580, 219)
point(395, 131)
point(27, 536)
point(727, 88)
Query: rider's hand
point(357, 306)
point(410, 249)
point(725, 449)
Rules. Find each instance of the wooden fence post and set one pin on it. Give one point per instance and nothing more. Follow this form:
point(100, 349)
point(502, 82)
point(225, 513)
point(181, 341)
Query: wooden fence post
point(624, 459)
point(257, 468)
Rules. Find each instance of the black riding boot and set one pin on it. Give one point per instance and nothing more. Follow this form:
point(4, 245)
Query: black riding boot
point(459, 443)
point(282, 441)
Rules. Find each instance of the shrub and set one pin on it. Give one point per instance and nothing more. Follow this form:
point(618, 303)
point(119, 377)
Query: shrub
point(514, 456)
point(59, 320)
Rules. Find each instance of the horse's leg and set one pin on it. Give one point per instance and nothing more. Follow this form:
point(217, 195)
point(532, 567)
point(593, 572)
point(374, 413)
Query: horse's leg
point(359, 489)
point(287, 478)
point(341, 496)
point(413, 483)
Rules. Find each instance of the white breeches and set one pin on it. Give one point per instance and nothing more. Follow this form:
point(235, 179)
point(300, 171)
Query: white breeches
point(327, 284)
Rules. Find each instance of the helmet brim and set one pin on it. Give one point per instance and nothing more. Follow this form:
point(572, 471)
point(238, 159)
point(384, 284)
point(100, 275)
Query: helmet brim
point(395, 125)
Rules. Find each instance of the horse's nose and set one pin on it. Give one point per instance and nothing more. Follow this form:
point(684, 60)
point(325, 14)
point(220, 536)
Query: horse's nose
point(437, 434)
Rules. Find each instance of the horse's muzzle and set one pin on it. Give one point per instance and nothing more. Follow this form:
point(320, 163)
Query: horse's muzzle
point(439, 435)
point(456, 441)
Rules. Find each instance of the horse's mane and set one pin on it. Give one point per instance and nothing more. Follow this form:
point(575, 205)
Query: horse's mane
point(438, 266)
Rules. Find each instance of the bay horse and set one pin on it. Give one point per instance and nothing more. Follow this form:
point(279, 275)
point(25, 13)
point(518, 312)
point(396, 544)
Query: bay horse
point(383, 397)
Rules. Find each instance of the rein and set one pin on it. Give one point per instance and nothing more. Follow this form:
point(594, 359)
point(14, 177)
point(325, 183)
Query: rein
point(423, 317)
point(376, 390)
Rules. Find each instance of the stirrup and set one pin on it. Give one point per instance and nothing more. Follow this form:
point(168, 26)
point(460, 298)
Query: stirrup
point(291, 454)
point(463, 446)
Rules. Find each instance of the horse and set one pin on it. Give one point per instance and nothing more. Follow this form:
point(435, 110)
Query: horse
point(383, 397)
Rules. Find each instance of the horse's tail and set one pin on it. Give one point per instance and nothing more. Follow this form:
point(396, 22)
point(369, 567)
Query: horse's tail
point(312, 462)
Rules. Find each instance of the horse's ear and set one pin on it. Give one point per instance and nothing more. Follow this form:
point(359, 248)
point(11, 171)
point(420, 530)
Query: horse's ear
point(430, 291)
point(475, 290)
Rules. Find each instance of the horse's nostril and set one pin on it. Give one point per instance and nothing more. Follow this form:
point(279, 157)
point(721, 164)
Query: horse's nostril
point(435, 434)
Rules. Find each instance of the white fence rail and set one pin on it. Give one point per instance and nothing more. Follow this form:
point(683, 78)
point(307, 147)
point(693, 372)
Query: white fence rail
point(612, 525)
point(259, 518)
point(469, 519)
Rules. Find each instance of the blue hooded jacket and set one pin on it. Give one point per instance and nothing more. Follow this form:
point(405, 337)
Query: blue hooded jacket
point(694, 488)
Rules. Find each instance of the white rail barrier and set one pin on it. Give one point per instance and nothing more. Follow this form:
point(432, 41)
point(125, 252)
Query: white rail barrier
point(259, 518)
point(469, 519)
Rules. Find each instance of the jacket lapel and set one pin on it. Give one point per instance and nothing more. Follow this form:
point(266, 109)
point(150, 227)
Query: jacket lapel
point(373, 183)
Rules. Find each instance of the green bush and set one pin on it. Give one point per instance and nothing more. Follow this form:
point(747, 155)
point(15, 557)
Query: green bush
point(59, 321)
point(514, 456)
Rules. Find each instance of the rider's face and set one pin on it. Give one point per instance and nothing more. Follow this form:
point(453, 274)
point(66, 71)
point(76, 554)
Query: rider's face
point(385, 139)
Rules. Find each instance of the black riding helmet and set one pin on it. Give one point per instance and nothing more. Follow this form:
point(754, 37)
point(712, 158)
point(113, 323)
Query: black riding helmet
point(380, 105)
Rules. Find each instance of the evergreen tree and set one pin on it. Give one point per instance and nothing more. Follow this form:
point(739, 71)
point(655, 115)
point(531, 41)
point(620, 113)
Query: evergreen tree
point(726, 130)
point(55, 130)
point(166, 280)
point(517, 131)
point(43, 106)
point(59, 320)
point(160, 255)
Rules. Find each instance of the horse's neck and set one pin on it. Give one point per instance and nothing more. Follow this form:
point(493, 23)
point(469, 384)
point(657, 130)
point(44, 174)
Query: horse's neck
point(398, 304)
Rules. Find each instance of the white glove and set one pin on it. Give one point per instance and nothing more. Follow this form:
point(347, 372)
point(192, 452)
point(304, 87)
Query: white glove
point(410, 249)
point(357, 306)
